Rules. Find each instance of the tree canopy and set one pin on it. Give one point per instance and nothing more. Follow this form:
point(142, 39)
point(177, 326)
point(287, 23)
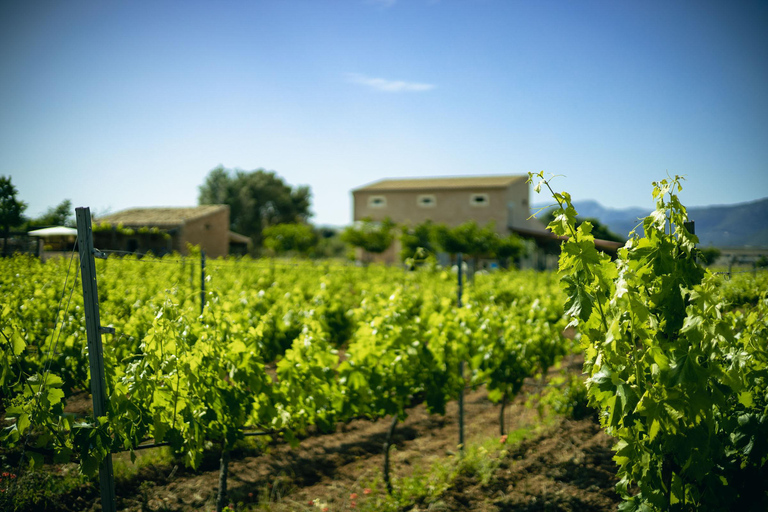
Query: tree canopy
point(11, 209)
point(257, 199)
point(286, 238)
point(599, 230)
point(468, 238)
point(419, 237)
point(478, 241)
point(59, 215)
point(372, 237)
point(709, 255)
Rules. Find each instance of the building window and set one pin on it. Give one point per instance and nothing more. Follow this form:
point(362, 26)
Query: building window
point(377, 202)
point(426, 201)
point(478, 200)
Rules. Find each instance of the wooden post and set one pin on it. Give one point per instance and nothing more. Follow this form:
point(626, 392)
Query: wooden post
point(690, 226)
point(202, 282)
point(459, 260)
point(501, 413)
point(461, 363)
point(221, 499)
point(93, 331)
point(387, 444)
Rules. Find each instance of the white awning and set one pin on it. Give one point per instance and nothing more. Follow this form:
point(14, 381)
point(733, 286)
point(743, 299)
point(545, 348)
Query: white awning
point(55, 231)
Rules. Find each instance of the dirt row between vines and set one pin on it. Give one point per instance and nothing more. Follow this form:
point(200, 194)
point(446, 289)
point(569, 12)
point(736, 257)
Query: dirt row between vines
point(564, 466)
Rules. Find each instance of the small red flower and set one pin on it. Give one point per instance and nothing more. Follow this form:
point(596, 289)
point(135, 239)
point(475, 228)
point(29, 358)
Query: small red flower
point(503, 439)
point(367, 491)
point(326, 509)
point(250, 495)
point(353, 505)
point(353, 496)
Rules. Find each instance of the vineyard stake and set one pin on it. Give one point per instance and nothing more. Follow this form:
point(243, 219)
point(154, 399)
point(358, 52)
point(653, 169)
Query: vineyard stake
point(387, 444)
point(93, 331)
point(202, 282)
point(221, 499)
point(501, 413)
point(461, 364)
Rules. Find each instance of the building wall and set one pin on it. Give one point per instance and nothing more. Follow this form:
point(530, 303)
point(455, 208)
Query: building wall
point(450, 207)
point(211, 233)
point(518, 208)
point(740, 256)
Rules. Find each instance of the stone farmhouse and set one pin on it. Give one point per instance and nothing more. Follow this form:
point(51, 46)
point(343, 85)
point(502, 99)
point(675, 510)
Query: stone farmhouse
point(503, 200)
point(170, 229)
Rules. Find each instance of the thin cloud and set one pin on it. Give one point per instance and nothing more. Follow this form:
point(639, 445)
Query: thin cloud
point(385, 4)
point(381, 84)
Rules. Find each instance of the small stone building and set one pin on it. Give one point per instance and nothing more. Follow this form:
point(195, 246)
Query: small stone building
point(170, 229)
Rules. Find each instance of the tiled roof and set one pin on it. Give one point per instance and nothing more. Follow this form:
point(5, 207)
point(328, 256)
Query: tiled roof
point(167, 217)
point(468, 182)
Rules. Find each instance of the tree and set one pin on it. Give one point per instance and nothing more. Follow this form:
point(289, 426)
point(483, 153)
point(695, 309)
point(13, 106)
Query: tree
point(283, 238)
point(467, 238)
point(509, 247)
point(10, 209)
point(599, 230)
point(59, 215)
point(372, 237)
point(329, 244)
point(256, 199)
point(709, 255)
point(421, 236)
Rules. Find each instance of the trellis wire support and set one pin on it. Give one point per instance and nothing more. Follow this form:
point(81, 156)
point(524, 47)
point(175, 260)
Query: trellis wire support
point(202, 282)
point(461, 363)
point(93, 331)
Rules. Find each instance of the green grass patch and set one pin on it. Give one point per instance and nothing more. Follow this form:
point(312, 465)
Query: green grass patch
point(426, 486)
point(43, 489)
point(125, 470)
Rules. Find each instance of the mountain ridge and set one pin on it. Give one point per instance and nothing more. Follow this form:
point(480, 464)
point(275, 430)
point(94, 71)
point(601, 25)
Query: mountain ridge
point(721, 225)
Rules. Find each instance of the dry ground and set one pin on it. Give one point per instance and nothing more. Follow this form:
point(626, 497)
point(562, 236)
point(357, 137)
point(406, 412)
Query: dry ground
point(562, 465)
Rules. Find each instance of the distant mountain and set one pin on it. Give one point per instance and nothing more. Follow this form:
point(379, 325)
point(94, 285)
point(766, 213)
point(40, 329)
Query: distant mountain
point(736, 225)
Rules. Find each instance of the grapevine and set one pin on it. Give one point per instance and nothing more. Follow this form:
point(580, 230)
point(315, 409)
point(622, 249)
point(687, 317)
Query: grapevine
point(680, 380)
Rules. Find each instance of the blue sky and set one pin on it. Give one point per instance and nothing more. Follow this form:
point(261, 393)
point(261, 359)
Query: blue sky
point(114, 104)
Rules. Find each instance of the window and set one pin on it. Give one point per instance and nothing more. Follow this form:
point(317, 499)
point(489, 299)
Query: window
point(478, 199)
point(377, 202)
point(426, 201)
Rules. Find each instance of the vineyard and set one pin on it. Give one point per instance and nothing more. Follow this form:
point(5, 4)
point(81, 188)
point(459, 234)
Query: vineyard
point(272, 355)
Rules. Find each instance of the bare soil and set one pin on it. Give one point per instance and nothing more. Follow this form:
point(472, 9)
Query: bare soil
point(565, 465)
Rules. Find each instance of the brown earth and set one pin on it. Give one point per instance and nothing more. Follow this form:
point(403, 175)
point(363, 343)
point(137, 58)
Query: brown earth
point(565, 465)
point(561, 465)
